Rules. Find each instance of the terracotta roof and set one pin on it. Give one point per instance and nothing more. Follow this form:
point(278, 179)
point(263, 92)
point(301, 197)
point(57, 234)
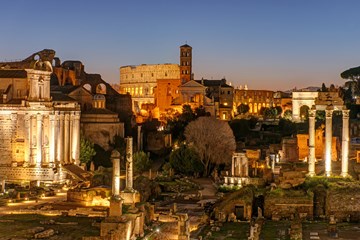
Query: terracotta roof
point(5, 73)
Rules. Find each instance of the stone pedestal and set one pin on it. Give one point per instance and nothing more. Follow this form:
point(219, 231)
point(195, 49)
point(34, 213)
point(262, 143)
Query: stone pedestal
point(115, 207)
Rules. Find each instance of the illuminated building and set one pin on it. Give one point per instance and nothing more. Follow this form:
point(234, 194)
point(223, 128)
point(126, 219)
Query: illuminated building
point(141, 81)
point(39, 132)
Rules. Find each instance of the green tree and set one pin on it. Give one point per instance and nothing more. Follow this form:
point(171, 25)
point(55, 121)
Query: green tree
point(352, 74)
point(212, 139)
point(243, 108)
point(186, 160)
point(324, 88)
point(87, 151)
point(142, 162)
point(278, 110)
point(287, 127)
point(288, 115)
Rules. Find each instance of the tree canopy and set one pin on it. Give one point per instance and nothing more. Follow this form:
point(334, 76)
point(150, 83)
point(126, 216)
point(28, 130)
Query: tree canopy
point(351, 73)
point(186, 160)
point(243, 108)
point(142, 162)
point(212, 139)
point(87, 150)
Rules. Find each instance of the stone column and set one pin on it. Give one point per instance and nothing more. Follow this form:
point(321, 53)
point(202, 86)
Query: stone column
point(311, 158)
point(328, 141)
point(71, 130)
point(129, 164)
point(345, 144)
point(52, 139)
point(115, 157)
point(27, 141)
point(32, 139)
point(233, 165)
point(76, 138)
point(39, 134)
point(66, 138)
point(60, 142)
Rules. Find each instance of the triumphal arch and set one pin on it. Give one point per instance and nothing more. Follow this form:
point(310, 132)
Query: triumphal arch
point(329, 102)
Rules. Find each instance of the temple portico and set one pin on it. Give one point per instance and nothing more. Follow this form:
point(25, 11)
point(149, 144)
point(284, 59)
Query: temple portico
point(329, 102)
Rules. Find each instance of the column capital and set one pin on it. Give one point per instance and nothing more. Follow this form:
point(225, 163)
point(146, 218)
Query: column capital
point(39, 116)
point(312, 113)
point(345, 113)
point(328, 113)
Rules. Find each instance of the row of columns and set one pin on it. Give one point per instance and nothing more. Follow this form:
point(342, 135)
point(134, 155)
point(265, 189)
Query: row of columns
point(52, 139)
point(328, 142)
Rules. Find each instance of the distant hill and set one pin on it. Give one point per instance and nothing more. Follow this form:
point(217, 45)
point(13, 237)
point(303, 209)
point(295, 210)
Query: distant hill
point(307, 89)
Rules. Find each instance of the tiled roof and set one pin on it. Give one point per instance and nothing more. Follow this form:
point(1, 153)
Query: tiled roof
point(60, 97)
point(98, 111)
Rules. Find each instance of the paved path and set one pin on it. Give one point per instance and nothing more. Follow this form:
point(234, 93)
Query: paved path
point(209, 190)
point(59, 197)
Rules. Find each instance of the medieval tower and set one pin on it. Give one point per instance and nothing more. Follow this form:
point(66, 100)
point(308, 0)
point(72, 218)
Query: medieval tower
point(185, 63)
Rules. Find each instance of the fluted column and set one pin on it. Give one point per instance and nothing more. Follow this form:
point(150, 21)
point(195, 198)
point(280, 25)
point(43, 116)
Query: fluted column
point(328, 141)
point(32, 139)
point(345, 144)
point(61, 138)
point(27, 141)
point(52, 120)
point(129, 164)
point(66, 138)
point(311, 160)
point(71, 125)
point(39, 134)
point(76, 138)
point(233, 165)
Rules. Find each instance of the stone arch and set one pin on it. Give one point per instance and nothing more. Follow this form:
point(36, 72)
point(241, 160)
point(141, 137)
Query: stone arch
point(304, 112)
point(300, 99)
point(101, 88)
point(87, 87)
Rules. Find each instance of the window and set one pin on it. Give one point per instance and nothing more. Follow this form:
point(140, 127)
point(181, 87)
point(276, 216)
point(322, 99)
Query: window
point(165, 74)
point(141, 75)
point(228, 92)
point(152, 74)
point(140, 91)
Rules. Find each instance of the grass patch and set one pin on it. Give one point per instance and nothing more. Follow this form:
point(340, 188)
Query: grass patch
point(275, 230)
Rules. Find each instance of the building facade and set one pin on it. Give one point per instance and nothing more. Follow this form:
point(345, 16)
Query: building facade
point(140, 81)
point(39, 132)
point(255, 99)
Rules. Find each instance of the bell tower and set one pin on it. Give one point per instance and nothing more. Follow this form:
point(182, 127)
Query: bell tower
point(185, 63)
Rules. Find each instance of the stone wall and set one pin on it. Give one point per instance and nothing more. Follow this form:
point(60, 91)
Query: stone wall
point(343, 200)
point(286, 204)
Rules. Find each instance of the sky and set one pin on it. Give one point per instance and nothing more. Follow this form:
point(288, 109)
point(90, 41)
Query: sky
point(268, 44)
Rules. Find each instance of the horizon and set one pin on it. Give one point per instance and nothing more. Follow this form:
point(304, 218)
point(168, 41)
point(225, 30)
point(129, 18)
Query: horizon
point(273, 45)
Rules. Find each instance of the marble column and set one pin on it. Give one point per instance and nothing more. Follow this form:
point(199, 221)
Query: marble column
point(52, 139)
point(328, 141)
point(66, 138)
point(39, 133)
point(27, 141)
point(345, 144)
point(232, 165)
point(139, 139)
point(311, 158)
point(129, 164)
point(71, 130)
point(115, 157)
point(76, 138)
point(60, 142)
point(33, 139)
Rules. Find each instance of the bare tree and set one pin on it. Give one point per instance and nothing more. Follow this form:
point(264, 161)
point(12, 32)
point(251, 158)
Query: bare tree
point(213, 140)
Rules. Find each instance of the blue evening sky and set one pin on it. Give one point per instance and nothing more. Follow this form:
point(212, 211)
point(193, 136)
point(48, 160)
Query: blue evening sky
point(269, 44)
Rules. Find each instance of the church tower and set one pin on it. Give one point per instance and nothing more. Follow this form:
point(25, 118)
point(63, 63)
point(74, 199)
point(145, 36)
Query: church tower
point(185, 63)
